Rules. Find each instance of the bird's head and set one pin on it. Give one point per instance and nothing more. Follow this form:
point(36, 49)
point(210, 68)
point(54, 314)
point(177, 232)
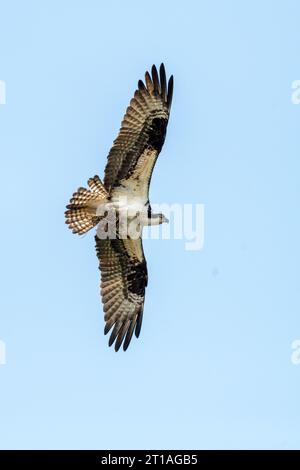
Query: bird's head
point(156, 219)
point(163, 219)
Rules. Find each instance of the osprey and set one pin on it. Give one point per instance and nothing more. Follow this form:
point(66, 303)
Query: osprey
point(125, 193)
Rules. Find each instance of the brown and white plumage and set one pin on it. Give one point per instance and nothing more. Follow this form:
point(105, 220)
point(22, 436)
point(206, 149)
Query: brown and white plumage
point(142, 132)
point(123, 282)
point(128, 173)
point(81, 210)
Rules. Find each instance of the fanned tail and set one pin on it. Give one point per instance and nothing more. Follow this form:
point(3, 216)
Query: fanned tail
point(81, 211)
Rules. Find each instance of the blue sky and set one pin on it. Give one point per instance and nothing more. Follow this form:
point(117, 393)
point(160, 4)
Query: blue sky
point(212, 368)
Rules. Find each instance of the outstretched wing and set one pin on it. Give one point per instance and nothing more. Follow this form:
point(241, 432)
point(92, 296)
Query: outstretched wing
point(142, 134)
point(123, 283)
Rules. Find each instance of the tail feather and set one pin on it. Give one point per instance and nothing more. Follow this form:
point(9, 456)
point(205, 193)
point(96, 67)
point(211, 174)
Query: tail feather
point(81, 211)
point(96, 186)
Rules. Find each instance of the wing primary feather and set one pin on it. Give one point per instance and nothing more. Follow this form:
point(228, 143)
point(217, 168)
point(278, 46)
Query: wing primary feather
point(141, 85)
point(108, 326)
point(163, 82)
point(149, 83)
point(121, 335)
point(114, 333)
point(170, 91)
point(129, 334)
point(139, 323)
point(155, 80)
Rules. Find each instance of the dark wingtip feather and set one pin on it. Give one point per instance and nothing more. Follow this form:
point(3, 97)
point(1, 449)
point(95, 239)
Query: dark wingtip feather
point(114, 333)
point(121, 335)
point(129, 335)
point(107, 327)
point(170, 91)
point(149, 83)
point(141, 85)
point(139, 324)
point(163, 81)
point(155, 79)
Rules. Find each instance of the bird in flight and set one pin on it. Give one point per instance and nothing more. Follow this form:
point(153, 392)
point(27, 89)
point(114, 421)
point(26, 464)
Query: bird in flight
point(120, 207)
